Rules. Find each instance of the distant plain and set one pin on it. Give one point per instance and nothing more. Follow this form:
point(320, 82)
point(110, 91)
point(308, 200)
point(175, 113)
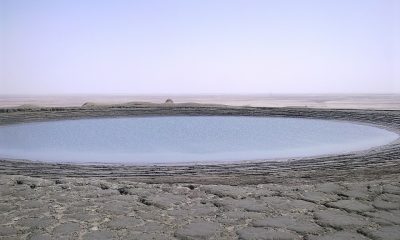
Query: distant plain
point(340, 101)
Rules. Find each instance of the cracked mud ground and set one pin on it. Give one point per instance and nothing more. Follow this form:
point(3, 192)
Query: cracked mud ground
point(96, 208)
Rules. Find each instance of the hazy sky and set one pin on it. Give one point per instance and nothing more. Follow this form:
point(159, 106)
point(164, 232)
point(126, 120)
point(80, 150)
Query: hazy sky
point(204, 46)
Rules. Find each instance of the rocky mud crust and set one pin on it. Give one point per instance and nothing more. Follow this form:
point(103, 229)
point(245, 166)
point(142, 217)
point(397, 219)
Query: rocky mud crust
point(97, 208)
point(352, 196)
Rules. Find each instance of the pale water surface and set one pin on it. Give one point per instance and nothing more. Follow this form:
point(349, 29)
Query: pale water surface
point(150, 140)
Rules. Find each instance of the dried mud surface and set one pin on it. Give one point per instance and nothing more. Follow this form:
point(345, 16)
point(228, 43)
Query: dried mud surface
point(352, 196)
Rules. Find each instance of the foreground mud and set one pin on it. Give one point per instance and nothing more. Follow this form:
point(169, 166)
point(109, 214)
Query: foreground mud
point(97, 208)
point(353, 196)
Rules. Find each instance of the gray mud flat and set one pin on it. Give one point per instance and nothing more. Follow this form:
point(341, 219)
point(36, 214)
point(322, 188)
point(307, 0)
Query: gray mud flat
point(97, 208)
point(352, 196)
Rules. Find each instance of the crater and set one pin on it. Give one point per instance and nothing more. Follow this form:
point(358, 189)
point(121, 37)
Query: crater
point(186, 139)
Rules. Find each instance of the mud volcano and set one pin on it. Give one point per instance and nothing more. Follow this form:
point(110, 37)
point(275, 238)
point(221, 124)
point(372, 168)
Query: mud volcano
point(186, 139)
